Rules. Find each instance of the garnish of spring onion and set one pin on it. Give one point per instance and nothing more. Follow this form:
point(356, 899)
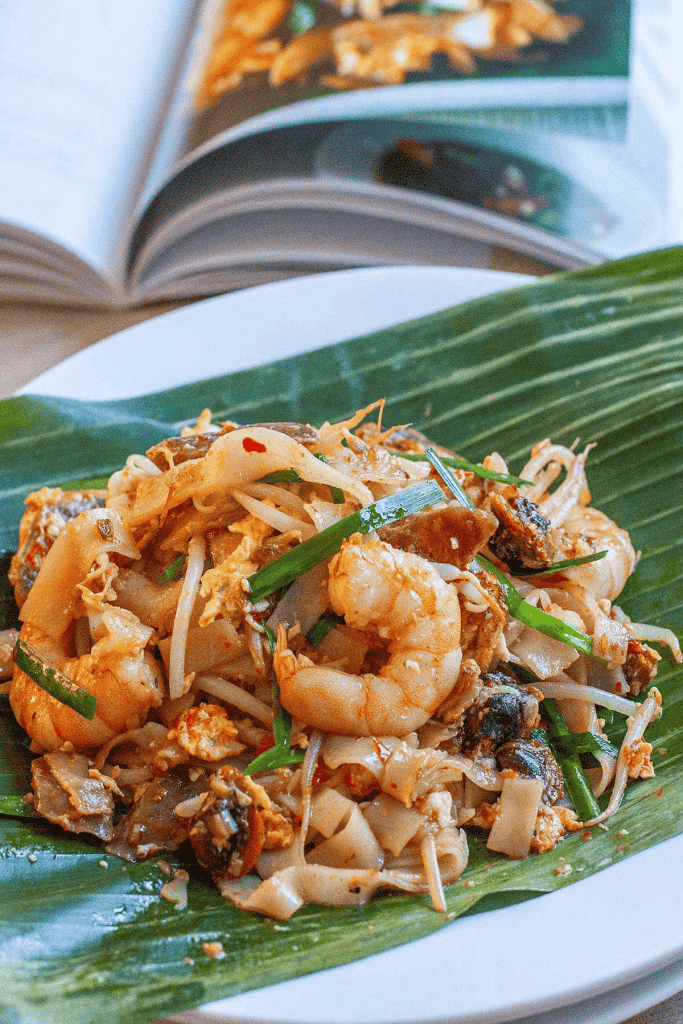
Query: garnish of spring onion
point(172, 570)
point(59, 686)
point(322, 627)
point(536, 618)
point(584, 743)
point(93, 483)
point(578, 788)
point(569, 563)
point(290, 476)
point(281, 753)
point(520, 609)
point(304, 556)
point(472, 467)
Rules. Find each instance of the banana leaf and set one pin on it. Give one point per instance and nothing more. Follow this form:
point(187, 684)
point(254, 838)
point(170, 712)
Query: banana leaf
point(595, 354)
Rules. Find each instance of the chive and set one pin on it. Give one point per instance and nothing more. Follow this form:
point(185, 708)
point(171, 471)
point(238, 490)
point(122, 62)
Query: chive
point(322, 627)
point(281, 754)
point(520, 609)
point(59, 686)
point(448, 478)
point(93, 483)
point(578, 788)
point(282, 476)
point(472, 467)
point(336, 493)
point(275, 757)
point(172, 571)
point(323, 545)
point(584, 743)
point(569, 563)
point(290, 476)
point(536, 618)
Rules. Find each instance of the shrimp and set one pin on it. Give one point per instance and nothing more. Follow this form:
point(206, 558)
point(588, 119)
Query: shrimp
point(123, 676)
point(584, 529)
point(404, 600)
point(69, 619)
point(590, 531)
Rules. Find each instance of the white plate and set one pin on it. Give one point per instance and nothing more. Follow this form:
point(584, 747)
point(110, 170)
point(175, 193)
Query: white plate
point(246, 328)
point(590, 941)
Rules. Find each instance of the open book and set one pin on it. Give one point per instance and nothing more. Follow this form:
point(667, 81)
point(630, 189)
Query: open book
point(165, 150)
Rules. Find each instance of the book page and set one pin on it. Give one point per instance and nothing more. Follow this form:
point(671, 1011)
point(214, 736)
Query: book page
point(518, 111)
point(655, 139)
point(81, 87)
point(265, 63)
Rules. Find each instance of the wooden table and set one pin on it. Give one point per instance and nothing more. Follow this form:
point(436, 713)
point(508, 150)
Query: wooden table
point(34, 337)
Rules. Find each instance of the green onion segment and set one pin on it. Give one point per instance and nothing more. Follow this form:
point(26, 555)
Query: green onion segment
point(59, 686)
point(578, 788)
point(536, 618)
point(569, 563)
point(520, 609)
point(472, 467)
point(281, 753)
point(93, 483)
point(304, 556)
point(290, 476)
point(586, 742)
point(172, 570)
point(322, 627)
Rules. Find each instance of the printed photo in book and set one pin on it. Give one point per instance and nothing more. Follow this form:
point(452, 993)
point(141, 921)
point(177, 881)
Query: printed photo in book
point(293, 136)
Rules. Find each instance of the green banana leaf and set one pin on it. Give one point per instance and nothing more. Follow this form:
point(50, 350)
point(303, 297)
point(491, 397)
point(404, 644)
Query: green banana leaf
point(595, 354)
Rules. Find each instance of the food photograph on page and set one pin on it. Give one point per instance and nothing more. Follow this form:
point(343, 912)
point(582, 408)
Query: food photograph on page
point(267, 52)
point(296, 674)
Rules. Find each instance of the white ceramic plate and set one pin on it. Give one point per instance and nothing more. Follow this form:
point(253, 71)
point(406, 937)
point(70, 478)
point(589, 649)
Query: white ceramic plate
point(590, 941)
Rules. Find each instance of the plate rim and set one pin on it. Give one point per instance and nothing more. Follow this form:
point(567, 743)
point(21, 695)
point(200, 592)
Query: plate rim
point(472, 282)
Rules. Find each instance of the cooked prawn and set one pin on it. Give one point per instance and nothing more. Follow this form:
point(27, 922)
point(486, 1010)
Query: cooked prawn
point(589, 531)
point(584, 529)
point(68, 618)
point(403, 599)
point(119, 671)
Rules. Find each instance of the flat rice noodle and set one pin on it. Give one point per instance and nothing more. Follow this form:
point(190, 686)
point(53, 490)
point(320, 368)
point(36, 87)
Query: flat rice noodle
point(353, 846)
point(304, 602)
point(453, 853)
point(51, 602)
point(247, 454)
point(363, 750)
point(151, 826)
point(153, 603)
point(543, 655)
point(271, 861)
point(344, 648)
point(285, 892)
point(410, 774)
point(451, 848)
point(151, 497)
point(393, 824)
point(330, 810)
point(67, 794)
point(514, 826)
point(219, 643)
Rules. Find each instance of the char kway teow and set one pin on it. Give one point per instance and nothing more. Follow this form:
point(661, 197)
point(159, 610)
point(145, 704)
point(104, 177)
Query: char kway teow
point(316, 658)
